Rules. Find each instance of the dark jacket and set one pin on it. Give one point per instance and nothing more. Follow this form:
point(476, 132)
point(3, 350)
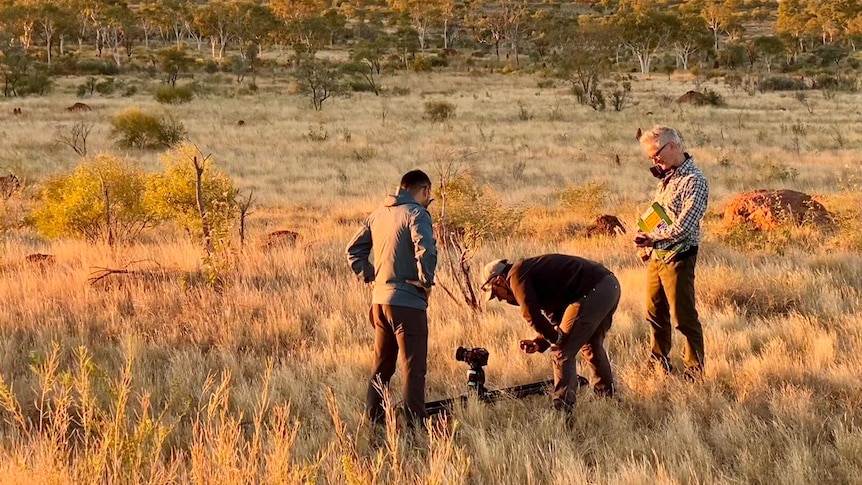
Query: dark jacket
point(401, 237)
point(551, 283)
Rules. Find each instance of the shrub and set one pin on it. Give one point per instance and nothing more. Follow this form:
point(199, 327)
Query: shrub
point(174, 94)
point(473, 211)
point(587, 199)
point(438, 61)
point(103, 199)
point(832, 83)
point(172, 195)
point(318, 133)
point(780, 83)
point(439, 111)
point(711, 98)
point(135, 129)
point(87, 88)
point(103, 68)
point(421, 64)
point(106, 87)
point(398, 91)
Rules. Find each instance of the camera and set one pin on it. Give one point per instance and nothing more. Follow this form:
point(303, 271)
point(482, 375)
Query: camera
point(475, 357)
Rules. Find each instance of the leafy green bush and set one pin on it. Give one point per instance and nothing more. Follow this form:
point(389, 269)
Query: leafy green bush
point(475, 212)
point(174, 94)
point(135, 129)
point(103, 199)
point(586, 199)
point(172, 195)
point(711, 98)
point(103, 68)
point(780, 83)
point(833, 83)
point(439, 111)
point(106, 87)
point(421, 64)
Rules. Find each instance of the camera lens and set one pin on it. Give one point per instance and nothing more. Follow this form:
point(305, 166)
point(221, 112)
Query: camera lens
point(461, 354)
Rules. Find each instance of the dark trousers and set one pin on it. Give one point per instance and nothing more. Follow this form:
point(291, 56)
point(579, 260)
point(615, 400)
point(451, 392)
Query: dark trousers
point(586, 322)
point(406, 329)
point(670, 301)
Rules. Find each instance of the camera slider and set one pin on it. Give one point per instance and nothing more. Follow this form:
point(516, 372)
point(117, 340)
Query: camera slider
point(477, 358)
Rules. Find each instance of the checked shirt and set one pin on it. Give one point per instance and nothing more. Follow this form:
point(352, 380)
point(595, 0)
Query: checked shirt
point(684, 194)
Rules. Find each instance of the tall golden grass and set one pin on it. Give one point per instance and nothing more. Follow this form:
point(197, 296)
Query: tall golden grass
point(263, 382)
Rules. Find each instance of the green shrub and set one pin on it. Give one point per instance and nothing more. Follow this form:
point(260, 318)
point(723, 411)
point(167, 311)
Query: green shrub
point(135, 129)
point(475, 212)
point(780, 83)
point(87, 88)
point(174, 94)
point(832, 83)
point(103, 199)
point(103, 68)
point(211, 67)
point(586, 199)
point(421, 64)
point(106, 87)
point(438, 61)
point(711, 98)
point(172, 195)
point(439, 111)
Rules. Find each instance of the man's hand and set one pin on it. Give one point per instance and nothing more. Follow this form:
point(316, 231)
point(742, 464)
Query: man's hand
point(531, 346)
point(642, 240)
point(367, 275)
point(420, 286)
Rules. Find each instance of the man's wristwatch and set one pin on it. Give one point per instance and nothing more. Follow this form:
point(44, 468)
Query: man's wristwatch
point(559, 335)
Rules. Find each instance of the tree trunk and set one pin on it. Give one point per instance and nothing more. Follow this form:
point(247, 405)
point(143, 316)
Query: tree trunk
point(202, 210)
point(445, 34)
point(108, 225)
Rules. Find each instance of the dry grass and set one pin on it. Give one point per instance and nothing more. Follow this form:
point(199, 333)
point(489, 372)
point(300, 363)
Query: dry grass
point(263, 383)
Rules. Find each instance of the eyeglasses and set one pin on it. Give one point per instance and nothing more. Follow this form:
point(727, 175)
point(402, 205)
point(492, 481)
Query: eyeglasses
point(488, 284)
point(657, 157)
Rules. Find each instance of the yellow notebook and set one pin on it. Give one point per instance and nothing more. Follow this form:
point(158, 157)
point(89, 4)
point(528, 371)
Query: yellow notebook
point(654, 218)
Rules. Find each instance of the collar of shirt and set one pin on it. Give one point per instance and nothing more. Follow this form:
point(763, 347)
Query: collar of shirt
point(685, 169)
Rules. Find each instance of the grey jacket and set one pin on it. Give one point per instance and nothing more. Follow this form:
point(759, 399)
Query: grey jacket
point(401, 237)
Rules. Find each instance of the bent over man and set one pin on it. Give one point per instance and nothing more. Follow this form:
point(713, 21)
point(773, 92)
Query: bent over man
point(671, 250)
point(570, 302)
point(401, 238)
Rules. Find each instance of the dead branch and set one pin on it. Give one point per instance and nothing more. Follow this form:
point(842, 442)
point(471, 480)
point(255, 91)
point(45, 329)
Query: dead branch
point(100, 273)
point(244, 211)
point(76, 137)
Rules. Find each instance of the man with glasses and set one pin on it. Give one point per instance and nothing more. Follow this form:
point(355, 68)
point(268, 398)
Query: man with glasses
point(570, 302)
point(401, 237)
point(671, 250)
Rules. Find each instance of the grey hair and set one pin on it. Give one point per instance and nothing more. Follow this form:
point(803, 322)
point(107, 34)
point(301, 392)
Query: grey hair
point(662, 135)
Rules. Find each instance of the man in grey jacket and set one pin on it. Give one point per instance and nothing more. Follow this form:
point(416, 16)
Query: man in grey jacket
point(401, 237)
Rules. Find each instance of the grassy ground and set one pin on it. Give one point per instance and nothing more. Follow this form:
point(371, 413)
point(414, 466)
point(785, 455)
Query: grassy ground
point(170, 381)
